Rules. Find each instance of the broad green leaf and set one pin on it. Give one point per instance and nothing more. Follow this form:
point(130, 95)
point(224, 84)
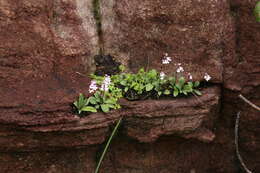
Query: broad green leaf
point(190, 84)
point(137, 87)
point(149, 87)
point(76, 104)
point(104, 107)
point(175, 92)
point(89, 109)
point(123, 82)
point(187, 88)
point(159, 93)
point(178, 86)
point(152, 73)
point(181, 81)
point(167, 92)
point(110, 101)
point(92, 100)
point(81, 99)
point(122, 68)
point(111, 106)
point(141, 70)
point(172, 80)
point(197, 92)
point(98, 97)
point(196, 84)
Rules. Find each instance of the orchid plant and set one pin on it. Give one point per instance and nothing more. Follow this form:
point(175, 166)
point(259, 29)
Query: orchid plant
point(107, 89)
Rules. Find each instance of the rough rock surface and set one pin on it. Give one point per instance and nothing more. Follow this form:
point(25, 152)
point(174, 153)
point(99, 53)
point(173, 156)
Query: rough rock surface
point(193, 33)
point(143, 120)
point(43, 45)
point(45, 42)
point(242, 76)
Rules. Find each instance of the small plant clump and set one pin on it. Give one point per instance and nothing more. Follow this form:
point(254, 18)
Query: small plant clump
point(107, 90)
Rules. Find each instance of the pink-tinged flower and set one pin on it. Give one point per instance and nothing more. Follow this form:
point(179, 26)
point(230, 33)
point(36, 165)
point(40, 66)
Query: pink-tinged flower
point(207, 77)
point(106, 83)
point(93, 86)
point(180, 69)
point(189, 76)
point(166, 59)
point(162, 75)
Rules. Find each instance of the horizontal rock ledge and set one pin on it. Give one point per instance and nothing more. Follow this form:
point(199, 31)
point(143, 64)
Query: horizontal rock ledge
point(190, 117)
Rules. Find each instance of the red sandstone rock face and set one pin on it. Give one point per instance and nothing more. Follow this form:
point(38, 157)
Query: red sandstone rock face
point(193, 33)
point(45, 42)
point(43, 45)
point(143, 120)
point(243, 76)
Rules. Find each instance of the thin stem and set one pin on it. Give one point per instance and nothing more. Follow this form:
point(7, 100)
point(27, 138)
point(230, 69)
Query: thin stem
point(107, 145)
point(248, 102)
point(236, 132)
point(236, 143)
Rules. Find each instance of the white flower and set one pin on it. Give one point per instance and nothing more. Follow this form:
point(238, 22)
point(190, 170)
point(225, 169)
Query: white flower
point(166, 59)
point(180, 69)
point(93, 86)
point(162, 75)
point(207, 77)
point(190, 76)
point(106, 83)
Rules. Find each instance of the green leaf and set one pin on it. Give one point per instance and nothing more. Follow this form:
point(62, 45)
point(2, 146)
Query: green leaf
point(257, 11)
point(172, 80)
point(159, 93)
point(126, 89)
point(123, 82)
point(187, 88)
point(122, 68)
point(76, 104)
point(196, 84)
point(105, 107)
point(197, 92)
point(110, 101)
point(81, 99)
point(92, 100)
point(89, 109)
point(149, 87)
point(181, 81)
point(167, 92)
point(97, 97)
point(141, 70)
point(137, 88)
point(175, 92)
point(111, 106)
point(190, 84)
point(152, 73)
point(178, 86)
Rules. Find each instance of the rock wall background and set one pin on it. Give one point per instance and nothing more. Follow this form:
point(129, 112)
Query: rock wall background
point(45, 42)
